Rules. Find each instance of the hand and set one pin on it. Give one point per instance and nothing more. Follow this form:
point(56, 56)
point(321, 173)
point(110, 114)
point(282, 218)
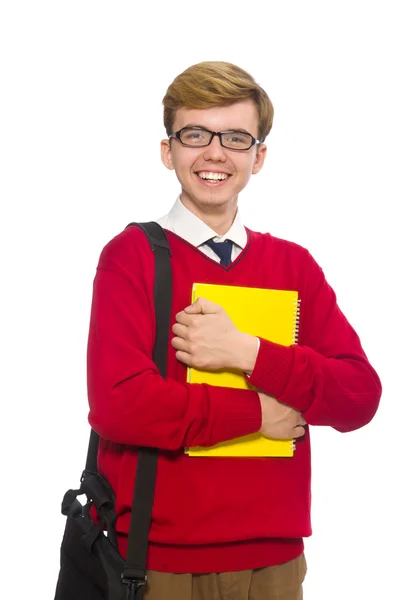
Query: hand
point(279, 421)
point(206, 338)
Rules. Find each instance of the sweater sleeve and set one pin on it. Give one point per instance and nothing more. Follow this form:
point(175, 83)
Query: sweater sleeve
point(130, 403)
point(327, 376)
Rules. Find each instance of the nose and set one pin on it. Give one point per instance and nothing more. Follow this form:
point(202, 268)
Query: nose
point(215, 150)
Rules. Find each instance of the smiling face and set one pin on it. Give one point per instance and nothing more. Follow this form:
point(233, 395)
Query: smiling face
point(212, 176)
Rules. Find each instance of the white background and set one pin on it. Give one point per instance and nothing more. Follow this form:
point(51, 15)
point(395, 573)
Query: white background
point(81, 120)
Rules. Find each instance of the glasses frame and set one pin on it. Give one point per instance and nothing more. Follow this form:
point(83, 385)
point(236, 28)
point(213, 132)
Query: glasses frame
point(177, 135)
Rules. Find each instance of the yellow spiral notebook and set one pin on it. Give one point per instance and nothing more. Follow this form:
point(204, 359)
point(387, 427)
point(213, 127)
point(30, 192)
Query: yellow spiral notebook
point(266, 313)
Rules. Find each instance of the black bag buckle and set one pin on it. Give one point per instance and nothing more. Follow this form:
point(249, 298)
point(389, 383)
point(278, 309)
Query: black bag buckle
point(134, 586)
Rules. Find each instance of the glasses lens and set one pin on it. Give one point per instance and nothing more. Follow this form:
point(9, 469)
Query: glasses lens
point(195, 137)
point(237, 140)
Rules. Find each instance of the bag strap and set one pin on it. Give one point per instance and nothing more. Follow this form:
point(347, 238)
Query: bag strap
point(134, 575)
point(141, 514)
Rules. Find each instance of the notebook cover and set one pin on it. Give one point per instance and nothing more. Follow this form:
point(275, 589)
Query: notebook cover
point(267, 313)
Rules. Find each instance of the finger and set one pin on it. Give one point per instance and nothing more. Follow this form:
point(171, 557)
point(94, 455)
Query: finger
point(179, 344)
point(184, 357)
point(301, 421)
point(183, 318)
point(180, 330)
point(299, 431)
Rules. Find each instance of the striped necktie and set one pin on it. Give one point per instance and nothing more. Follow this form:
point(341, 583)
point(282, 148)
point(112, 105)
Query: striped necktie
point(223, 250)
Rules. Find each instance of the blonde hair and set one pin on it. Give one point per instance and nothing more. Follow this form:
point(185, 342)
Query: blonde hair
point(209, 84)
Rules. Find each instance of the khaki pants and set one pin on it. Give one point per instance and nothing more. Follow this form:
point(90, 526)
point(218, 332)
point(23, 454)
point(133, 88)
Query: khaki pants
point(282, 582)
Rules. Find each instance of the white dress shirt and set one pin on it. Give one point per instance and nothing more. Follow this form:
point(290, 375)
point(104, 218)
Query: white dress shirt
point(192, 229)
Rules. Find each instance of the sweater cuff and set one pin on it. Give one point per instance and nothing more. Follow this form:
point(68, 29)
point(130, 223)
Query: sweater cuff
point(239, 413)
point(272, 368)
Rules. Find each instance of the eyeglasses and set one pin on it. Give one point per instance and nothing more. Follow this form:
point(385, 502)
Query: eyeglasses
point(197, 137)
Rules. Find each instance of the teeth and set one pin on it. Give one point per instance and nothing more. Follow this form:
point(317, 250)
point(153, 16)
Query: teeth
point(213, 176)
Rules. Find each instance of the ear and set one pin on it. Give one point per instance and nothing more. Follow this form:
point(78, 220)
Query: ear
point(166, 154)
point(259, 158)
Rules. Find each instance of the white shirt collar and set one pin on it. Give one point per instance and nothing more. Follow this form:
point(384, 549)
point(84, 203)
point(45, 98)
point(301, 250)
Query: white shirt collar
point(188, 226)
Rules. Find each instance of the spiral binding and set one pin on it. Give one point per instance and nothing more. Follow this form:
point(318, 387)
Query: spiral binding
point(295, 330)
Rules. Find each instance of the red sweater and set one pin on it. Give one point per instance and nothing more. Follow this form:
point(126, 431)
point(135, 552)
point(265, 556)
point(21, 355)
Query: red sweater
point(217, 514)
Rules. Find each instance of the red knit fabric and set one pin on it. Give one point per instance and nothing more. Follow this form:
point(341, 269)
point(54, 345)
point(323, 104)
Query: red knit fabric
point(217, 514)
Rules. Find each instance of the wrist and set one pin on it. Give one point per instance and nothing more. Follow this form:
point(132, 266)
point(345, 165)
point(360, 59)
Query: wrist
point(246, 352)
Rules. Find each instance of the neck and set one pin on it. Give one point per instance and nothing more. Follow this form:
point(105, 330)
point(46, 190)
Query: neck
point(219, 217)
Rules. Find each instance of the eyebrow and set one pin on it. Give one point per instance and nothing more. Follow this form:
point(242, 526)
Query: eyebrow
point(238, 129)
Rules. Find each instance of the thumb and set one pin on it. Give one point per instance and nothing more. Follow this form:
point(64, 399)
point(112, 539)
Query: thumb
point(202, 306)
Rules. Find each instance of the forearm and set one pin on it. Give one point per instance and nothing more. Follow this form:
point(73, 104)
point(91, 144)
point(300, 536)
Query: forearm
point(341, 391)
point(146, 410)
point(130, 402)
point(326, 376)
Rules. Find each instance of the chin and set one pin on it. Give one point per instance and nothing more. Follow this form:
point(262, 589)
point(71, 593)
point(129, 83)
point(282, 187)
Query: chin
point(215, 201)
point(212, 198)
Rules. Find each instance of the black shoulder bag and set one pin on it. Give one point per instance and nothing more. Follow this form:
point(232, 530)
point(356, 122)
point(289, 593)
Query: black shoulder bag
point(91, 568)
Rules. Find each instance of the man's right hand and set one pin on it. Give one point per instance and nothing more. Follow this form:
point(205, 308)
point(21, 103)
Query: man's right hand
point(280, 421)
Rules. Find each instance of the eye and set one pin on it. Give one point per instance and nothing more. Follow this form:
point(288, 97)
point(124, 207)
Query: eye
point(194, 135)
point(237, 140)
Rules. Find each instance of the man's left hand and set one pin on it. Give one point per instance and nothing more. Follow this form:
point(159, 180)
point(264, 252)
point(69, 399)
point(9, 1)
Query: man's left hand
point(206, 338)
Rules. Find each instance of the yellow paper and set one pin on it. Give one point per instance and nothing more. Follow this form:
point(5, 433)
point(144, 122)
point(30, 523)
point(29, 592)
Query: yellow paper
point(266, 313)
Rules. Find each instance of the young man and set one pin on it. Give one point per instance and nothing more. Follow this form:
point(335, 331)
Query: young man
point(222, 527)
